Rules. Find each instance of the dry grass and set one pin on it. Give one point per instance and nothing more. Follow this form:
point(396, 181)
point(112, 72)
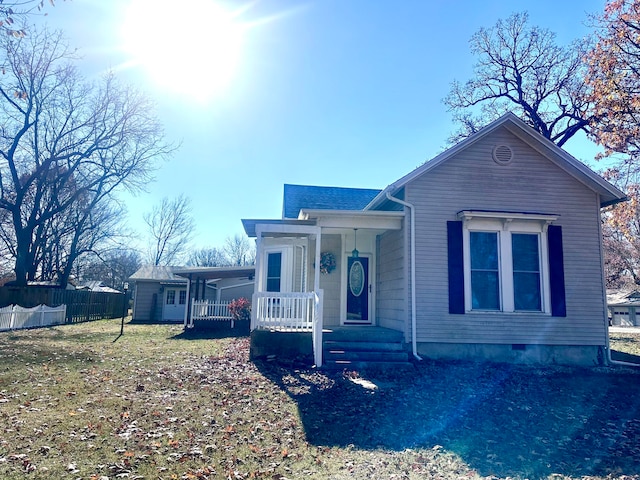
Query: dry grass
point(160, 404)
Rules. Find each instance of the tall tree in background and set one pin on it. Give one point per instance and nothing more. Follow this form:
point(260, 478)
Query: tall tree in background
point(239, 251)
point(170, 228)
point(66, 146)
point(614, 81)
point(208, 257)
point(520, 68)
point(113, 267)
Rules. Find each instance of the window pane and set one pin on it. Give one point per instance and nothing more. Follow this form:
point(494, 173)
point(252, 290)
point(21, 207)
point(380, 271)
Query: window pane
point(171, 297)
point(484, 250)
point(485, 275)
point(526, 291)
point(526, 272)
point(274, 270)
point(183, 297)
point(525, 252)
point(485, 290)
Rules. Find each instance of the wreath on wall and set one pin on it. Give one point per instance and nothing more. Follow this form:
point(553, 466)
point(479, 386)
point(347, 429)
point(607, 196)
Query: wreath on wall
point(327, 263)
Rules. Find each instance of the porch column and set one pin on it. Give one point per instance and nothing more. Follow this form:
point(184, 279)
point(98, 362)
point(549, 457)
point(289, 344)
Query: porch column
point(316, 275)
point(259, 261)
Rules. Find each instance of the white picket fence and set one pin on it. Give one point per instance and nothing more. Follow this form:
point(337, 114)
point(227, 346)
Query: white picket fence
point(203, 310)
point(15, 317)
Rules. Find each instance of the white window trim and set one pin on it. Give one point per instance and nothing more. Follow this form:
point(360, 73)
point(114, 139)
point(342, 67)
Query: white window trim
point(505, 224)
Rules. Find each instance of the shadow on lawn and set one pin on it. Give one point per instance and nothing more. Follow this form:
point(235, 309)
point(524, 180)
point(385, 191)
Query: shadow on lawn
point(214, 331)
point(499, 419)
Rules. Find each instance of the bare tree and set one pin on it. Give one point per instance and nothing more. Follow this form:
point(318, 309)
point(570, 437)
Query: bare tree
point(208, 257)
point(66, 145)
point(520, 68)
point(239, 251)
point(113, 268)
point(170, 227)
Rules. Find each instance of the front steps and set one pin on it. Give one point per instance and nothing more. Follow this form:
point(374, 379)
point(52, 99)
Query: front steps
point(360, 348)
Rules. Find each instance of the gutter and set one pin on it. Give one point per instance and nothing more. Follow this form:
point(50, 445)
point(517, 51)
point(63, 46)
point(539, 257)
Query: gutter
point(414, 341)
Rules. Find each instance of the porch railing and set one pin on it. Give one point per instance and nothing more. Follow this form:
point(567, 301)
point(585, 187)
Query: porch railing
point(203, 310)
point(290, 312)
point(285, 312)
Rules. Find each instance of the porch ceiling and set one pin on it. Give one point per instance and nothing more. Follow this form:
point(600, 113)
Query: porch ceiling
point(350, 219)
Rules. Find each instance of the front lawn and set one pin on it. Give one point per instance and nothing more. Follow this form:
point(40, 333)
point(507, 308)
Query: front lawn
point(157, 403)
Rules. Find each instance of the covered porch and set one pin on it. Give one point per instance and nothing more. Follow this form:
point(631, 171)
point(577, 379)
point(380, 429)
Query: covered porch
point(318, 271)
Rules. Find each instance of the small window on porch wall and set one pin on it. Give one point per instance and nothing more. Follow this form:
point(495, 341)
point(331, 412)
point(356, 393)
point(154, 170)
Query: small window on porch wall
point(274, 271)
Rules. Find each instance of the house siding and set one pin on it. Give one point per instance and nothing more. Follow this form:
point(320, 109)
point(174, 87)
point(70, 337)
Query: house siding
point(473, 181)
point(391, 285)
point(331, 283)
point(145, 308)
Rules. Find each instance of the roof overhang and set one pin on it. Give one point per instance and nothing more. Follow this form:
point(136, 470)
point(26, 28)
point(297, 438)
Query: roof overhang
point(250, 225)
point(209, 273)
point(350, 219)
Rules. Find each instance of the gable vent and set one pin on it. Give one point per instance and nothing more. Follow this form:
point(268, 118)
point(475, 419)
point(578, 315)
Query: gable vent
point(502, 154)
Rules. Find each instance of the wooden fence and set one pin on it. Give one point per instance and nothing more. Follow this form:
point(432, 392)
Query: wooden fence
point(81, 305)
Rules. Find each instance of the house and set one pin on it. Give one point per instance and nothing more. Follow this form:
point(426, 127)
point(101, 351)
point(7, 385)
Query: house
point(623, 308)
point(96, 286)
point(491, 250)
point(164, 293)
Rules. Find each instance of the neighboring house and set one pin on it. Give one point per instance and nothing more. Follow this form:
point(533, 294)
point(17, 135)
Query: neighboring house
point(491, 250)
point(623, 308)
point(97, 286)
point(163, 294)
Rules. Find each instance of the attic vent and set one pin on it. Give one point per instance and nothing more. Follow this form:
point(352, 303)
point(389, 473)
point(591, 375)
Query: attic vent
point(502, 154)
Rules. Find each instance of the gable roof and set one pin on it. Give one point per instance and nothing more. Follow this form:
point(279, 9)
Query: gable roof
point(157, 273)
point(298, 197)
point(609, 194)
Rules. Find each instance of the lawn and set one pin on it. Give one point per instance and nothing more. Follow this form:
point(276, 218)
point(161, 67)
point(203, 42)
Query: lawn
point(77, 402)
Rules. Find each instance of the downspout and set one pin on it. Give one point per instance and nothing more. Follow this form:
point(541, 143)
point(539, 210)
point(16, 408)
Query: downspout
point(414, 339)
point(610, 361)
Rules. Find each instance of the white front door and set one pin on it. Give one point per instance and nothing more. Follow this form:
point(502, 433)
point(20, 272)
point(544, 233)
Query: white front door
point(175, 301)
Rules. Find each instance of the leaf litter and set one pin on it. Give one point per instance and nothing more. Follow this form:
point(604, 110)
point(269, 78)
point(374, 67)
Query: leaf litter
point(74, 404)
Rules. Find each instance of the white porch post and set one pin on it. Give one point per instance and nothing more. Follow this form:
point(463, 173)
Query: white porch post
point(316, 274)
point(259, 260)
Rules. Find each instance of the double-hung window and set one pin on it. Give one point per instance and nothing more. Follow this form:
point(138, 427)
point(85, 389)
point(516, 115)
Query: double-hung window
point(506, 265)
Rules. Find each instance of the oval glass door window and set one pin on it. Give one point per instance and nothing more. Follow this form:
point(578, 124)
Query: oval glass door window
point(356, 278)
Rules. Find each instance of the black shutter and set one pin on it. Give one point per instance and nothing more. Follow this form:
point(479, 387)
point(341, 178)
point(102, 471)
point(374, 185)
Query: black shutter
point(556, 272)
point(456, 267)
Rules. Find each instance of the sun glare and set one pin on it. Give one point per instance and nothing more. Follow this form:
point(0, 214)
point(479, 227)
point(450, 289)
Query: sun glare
point(192, 50)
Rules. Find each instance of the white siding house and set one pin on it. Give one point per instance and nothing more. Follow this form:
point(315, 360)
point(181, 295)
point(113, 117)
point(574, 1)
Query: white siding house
point(491, 250)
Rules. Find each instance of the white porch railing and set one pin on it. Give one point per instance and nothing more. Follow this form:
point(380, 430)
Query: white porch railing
point(290, 312)
point(208, 311)
point(14, 317)
point(285, 312)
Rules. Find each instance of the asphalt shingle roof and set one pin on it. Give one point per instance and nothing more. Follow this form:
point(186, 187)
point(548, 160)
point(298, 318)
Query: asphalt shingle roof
point(297, 197)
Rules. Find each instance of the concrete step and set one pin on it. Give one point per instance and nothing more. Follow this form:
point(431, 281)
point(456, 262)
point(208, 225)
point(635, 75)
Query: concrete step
point(366, 346)
point(355, 356)
point(367, 365)
point(362, 334)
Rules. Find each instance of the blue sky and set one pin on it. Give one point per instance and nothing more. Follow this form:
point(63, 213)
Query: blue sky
point(325, 92)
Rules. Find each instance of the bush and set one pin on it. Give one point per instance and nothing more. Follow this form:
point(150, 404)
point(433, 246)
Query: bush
point(240, 309)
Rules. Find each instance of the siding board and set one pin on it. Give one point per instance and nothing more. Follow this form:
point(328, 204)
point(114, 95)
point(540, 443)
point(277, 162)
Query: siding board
point(530, 183)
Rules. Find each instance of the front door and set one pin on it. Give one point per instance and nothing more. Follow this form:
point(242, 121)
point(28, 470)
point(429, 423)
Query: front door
point(175, 300)
point(357, 290)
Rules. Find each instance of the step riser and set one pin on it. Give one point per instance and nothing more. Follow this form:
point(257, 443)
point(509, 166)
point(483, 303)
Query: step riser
point(365, 356)
point(384, 366)
point(367, 346)
point(375, 336)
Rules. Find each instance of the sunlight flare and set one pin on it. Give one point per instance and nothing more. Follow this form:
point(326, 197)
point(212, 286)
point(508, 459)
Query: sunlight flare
point(192, 51)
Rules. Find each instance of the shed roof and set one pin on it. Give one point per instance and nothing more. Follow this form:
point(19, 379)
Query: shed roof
point(157, 273)
point(298, 197)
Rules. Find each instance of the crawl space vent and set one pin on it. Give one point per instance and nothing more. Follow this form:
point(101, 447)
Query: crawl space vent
point(502, 154)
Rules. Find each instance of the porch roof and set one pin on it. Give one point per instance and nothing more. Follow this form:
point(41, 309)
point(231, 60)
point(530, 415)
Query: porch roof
point(208, 273)
point(333, 220)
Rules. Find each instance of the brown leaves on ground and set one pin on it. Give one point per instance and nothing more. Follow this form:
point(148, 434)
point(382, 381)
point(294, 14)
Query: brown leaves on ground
point(159, 404)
